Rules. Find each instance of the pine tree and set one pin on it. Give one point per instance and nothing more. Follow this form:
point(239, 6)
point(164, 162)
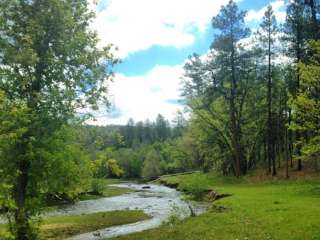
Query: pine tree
point(295, 30)
point(230, 23)
point(267, 38)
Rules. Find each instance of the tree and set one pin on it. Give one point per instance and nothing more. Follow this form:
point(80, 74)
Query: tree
point(114, 169)
point(130, 133)
point(151, 166)
point(149, 133)
point(50, 64)
point(295, 34)
point(267, 38)
point(179, 124)
point(230, 23)
point(140, 132)
point(220, 89)
point(306, 105)
point(314, 25)
point(162, 128)
point(130, 161)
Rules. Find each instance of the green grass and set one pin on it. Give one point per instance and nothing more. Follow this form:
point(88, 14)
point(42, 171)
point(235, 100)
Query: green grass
point(57, 228)
point(277, 210)
point(108, 191)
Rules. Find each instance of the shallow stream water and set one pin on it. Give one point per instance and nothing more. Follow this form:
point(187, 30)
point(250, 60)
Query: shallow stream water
point(157, 201)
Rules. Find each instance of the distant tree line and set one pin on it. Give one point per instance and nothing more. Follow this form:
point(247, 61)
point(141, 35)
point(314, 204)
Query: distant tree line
point(142, 149)
point(134, 134)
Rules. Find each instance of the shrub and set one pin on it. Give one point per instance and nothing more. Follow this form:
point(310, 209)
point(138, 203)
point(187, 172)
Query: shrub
point(176, 216)
point(114, 169)
point(196, 184)
point(97, 186)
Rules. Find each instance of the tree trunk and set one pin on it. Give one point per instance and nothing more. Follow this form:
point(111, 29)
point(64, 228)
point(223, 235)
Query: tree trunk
point(235, 142)
point(286, 152)
point(265, 149)
point(279, 134)
point(233, 119)
point(290, 138)
point(299, 58)
point(271, 144)
point(299, 168)
point(21, 215)
point(286, 135)
point(274, 167)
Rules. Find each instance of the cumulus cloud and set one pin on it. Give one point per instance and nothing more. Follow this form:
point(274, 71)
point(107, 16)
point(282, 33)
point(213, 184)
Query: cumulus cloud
point(142, 97)
point(135, 25)
point(278, 8)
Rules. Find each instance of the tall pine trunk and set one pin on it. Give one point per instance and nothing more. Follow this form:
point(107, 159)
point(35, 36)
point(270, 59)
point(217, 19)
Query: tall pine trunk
point(290, 138)
point(270, 137)
point(298, 133)
point(279, 134)
point(233, 119)
point(286, 151)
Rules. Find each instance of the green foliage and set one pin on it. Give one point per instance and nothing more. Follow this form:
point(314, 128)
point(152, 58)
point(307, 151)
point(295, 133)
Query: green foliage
point(130, 161)
point(105, 167)
point(98, 186)
point(238, 119)
point(114, 169)
point(306, 105)
point(197, 185)
point(151, 167)
point(217, 90)
point(176, 216)
point(50, 68)
point(14, 124)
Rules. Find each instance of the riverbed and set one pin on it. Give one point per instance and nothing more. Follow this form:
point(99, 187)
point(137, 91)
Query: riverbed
point(158, 201)
point(155, 200)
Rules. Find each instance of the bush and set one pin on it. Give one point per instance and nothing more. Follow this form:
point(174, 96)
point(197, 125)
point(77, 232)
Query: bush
point(97, 186)
point(196, 184)
point(114, 169)
point(176, 216)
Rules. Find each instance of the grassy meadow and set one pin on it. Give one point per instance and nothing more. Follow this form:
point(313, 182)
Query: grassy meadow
point(272, 209)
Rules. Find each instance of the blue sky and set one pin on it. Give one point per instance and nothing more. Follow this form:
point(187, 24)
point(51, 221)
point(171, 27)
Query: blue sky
point(154, 38)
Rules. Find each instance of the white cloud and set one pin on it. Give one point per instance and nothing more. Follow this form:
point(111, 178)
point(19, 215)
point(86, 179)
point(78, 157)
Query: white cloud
point(135, 25)
point(277, 7)
point(142, 97)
